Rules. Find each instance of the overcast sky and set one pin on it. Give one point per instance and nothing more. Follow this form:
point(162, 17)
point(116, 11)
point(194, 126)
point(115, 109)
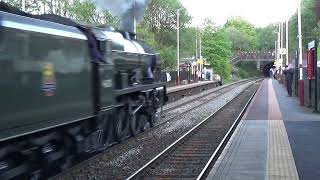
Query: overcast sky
point(258, 12)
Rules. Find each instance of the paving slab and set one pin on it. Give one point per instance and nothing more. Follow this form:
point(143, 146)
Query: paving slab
point(260, 147)
point(303, 129)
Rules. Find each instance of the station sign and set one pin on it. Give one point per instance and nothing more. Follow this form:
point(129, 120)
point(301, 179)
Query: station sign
point(311, 60)
point(200, 61)
point(278, 62)
point(312, 71)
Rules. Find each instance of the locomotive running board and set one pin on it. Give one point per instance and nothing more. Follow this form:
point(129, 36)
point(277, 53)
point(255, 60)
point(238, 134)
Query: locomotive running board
point(138, 88)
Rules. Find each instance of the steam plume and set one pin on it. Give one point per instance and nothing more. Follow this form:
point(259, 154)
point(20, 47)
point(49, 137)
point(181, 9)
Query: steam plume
point(128, 10)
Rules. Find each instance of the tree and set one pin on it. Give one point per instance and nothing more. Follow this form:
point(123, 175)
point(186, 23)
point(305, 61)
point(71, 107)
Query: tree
point(245, 27)
point(240, 41)
point(84, 11)
point(217, 49)
point(31, 5)
point(188, 41)
point(158, 29)
point(266, 37)
point(162, 14)
point(310, 29)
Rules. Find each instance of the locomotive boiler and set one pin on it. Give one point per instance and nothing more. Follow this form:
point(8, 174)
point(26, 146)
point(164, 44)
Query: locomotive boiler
point(68, 90)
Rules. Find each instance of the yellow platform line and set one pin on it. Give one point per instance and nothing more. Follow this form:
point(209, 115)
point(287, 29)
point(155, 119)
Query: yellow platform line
point(280, 161)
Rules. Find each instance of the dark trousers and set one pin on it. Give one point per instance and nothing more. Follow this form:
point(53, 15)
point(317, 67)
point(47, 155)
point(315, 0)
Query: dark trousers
point(289, 87)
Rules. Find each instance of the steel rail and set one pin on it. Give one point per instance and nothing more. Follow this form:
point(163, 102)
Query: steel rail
point(152, 161)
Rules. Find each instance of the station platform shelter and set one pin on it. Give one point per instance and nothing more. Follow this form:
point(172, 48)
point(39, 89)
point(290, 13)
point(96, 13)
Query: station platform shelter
point(277, 139)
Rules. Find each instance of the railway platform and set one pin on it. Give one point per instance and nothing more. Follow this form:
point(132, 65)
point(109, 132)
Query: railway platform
point(276, 139)
point(178, 92)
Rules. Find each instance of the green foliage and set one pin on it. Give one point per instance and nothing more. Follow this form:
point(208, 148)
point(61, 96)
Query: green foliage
point(244, 27)
point(83, 11)
point(162, 14)
point(30, 6)
point(80, 10)
point(217, 49)
point(188, 42)
point(168, 57)
point(245, 37)
point(240, 40)
point(310, 29)
point(266, 37)
point(167, 51)
point(158, 29)
point(145, 35)
point(243, 74)
point(246, 70)
point(86, 11)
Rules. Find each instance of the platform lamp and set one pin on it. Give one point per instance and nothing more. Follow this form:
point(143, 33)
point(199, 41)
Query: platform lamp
point(277, 50)
point(23, 3)
point(301, 81)
point(287, 42)
point(178, 46)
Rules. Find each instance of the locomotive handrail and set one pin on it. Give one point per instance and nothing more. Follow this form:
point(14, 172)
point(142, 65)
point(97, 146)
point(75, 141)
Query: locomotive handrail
point(141, 54)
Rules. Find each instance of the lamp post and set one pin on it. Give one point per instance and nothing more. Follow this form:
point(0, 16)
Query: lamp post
point(287, 42)
point(279, 43)
point(301, 82)
point(275, 50)
point(200, 55)
point(23, 4)
point(196, 45)
point(300, 42)
point(178, 47)
point(281, 39)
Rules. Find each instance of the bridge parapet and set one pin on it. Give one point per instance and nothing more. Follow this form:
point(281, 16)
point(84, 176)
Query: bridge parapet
point(252, 56)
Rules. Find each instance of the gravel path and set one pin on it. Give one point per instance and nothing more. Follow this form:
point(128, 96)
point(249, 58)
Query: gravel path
point(124, 159)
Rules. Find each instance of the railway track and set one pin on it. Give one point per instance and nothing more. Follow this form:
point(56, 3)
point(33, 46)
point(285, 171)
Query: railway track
point(96, 156)
point(191, 155)
point(221, 90)
point(180, 109)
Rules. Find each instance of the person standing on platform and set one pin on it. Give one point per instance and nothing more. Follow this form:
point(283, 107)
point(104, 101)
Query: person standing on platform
point(271, 73)
point(199, 75)
point(288, 73)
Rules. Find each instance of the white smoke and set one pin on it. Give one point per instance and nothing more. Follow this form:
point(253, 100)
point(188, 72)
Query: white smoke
point(126, 9)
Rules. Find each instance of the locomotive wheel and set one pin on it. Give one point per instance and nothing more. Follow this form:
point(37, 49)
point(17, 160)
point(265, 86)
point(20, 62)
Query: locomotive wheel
point(108, 131)
point(135, 124)
point(108, 135)
point(144, 122)
point(121, 124)
point(153, 117)
point(152, 120)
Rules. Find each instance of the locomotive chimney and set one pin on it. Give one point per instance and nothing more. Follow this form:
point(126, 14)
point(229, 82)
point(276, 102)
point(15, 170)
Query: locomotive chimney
point(129, 22)
point(134, 21)
point(133, 31)
point(130, 12)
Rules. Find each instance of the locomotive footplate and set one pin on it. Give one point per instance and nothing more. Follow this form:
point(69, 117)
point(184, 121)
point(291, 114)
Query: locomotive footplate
point(139, 88)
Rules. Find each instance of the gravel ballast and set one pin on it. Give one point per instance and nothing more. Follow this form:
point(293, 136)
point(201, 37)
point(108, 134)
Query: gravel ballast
point(189, 156)
point(124, 159)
